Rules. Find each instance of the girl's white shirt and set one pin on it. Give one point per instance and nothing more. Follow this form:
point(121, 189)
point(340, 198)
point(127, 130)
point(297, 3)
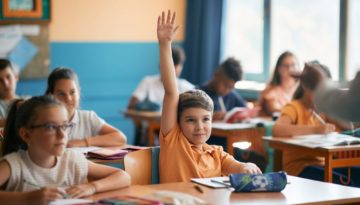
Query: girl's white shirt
point(71, 169)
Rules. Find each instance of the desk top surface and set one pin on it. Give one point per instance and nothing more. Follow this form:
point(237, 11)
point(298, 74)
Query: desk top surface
point(299, 191)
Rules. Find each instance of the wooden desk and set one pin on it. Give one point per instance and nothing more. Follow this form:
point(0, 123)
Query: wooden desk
point(299, 191)
point(151, 118)
point(326, 152)
point(242, 132)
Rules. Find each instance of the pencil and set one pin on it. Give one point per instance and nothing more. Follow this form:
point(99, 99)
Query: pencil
point(317, 116)
point(199, 189)
point(222, 183)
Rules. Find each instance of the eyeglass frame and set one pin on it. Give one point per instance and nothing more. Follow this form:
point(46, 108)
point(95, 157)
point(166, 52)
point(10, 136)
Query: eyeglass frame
point(54, 127)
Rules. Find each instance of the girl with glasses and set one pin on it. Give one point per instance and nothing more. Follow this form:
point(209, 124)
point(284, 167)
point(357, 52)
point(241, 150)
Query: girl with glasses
point(37, 168)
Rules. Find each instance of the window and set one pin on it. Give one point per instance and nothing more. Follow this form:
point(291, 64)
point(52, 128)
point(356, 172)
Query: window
point(308, 28)
point(242, 33)
point(354, 40)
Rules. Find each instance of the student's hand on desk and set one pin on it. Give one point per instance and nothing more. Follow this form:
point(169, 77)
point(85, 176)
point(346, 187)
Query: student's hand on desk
point(250, 168)
point(81, 190)
point(325, 129)
point(76, 143)
point(44, 196)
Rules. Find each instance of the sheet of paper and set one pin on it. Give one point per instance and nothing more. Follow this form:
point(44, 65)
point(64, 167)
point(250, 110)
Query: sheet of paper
point(209, 182)
point(70, 201)
point(23, 53)
point(9, 38)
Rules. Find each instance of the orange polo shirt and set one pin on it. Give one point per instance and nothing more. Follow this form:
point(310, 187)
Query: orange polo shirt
point(294, 162)
point(180, 160)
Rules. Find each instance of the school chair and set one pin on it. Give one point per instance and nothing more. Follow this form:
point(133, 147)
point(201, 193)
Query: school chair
point(143, 166)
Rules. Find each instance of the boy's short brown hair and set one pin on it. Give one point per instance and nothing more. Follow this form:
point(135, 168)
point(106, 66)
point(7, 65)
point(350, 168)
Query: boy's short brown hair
point(194, 99)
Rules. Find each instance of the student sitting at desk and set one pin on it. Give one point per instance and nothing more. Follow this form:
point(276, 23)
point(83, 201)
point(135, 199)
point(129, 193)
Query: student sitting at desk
point(299, 117)
point(89, 129)
point(186, 124)
point(8, 79)
point(152, 87)
point(221, 88)
point(282, 85)
point(37, 169)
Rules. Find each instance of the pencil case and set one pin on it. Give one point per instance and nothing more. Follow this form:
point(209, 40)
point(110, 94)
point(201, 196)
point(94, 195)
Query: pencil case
point(269, 182)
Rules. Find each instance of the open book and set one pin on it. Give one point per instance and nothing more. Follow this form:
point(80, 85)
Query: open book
point(332, 139)
point(238, 114)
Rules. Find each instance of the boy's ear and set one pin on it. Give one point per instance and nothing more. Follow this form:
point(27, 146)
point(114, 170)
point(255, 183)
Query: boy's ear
point(24, 134)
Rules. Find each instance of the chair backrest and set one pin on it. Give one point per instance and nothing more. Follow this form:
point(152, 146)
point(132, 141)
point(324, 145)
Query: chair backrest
point(142, 165)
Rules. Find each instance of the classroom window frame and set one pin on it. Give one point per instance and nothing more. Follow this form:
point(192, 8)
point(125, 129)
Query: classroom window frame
point(343, 43)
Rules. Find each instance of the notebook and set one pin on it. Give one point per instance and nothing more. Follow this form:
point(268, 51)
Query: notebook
point(110, 154)
point(332, 139)
point(239, 114)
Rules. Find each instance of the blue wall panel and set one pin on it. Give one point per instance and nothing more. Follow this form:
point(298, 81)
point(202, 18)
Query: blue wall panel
point(108, 74)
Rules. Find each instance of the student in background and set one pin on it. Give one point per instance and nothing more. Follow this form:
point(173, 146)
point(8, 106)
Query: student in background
point(152, 87)
point(8, 80)
point(221, 88)
point(186, 124)
point(339, 103)
point(282, 85)
point(89, 129)
point(300, 117)
point(37, 169)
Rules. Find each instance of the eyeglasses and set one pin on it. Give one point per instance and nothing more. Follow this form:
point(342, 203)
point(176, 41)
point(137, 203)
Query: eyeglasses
point(52, 128)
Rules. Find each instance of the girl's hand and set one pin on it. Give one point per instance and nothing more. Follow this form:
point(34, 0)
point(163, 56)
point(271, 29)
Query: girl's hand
point(325, 129)
point(166, 29)
point(44, 196)
point(81, 190)
point(250, 168)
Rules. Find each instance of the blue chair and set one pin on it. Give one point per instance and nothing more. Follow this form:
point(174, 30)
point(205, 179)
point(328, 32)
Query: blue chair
point(143, 166)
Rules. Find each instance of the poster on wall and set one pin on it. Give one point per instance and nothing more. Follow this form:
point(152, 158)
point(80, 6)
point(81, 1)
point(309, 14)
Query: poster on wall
point(24, 34)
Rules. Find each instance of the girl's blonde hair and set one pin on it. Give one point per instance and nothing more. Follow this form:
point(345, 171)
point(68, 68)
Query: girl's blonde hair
point(194, 99)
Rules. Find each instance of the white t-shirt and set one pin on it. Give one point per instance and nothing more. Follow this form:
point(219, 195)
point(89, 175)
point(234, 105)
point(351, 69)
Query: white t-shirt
point(87, 123)
point(71, 169)
point(153, 86)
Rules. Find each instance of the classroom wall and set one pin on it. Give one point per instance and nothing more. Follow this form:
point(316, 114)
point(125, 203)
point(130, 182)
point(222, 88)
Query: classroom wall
point(111, 45)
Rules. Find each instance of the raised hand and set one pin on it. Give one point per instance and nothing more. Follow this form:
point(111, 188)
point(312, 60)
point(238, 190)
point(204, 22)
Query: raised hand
point(166, 29)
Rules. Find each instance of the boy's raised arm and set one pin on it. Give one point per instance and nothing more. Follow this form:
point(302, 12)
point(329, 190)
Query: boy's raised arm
point(166, 31)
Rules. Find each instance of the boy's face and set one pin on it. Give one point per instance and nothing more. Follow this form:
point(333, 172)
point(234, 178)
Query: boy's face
point(7, 83)
point(195, 123)
point(223, 84)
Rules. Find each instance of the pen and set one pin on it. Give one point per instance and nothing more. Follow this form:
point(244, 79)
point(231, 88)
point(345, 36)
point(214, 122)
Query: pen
point(199, 189)
point(317, 116)
point(222, 183)
point(66, 196)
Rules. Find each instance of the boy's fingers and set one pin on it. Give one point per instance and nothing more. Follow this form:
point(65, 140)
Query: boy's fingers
point(168, 17)
point(173, 18)
point(176, 28)
point(162, 17)
point(158, 20)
